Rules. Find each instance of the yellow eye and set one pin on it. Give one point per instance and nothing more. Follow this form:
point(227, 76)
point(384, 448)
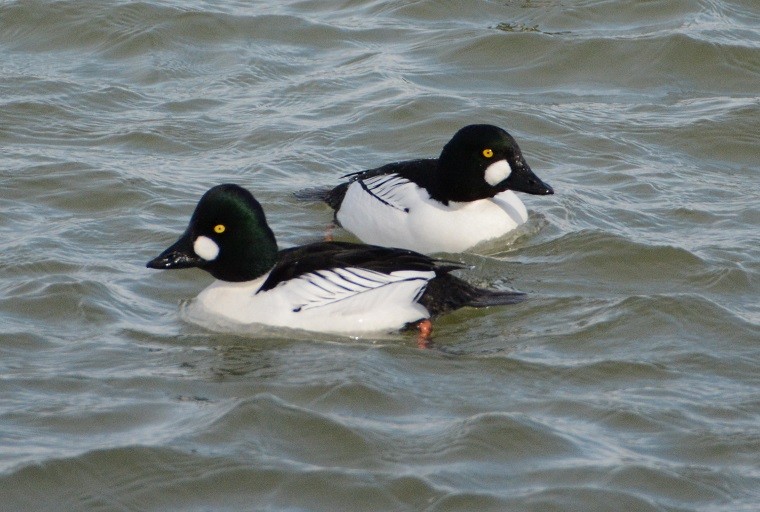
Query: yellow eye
point(219, 229)
point(488, 152)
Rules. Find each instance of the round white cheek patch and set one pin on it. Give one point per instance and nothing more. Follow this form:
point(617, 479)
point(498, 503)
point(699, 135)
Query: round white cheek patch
point(206, 248)
point(497, 172)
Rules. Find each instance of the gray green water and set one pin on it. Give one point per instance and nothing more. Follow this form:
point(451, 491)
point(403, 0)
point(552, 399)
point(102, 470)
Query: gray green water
point(630, 381)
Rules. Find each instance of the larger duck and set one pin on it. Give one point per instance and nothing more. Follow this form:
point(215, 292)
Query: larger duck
point(334, 287)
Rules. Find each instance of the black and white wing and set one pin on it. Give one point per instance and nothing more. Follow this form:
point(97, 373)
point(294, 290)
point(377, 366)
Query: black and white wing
point(389, 189)
point(399, 174)
point(359, 289)
point(324, 273)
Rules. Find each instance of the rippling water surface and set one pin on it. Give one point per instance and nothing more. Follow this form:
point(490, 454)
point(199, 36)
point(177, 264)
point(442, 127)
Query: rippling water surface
point(629, 381)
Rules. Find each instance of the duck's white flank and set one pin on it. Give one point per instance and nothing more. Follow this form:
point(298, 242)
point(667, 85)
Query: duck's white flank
point(397, 213)
point(346, 300)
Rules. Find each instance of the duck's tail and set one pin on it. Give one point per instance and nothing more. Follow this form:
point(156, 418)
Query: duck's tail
point(332, 196)
point(447, 293)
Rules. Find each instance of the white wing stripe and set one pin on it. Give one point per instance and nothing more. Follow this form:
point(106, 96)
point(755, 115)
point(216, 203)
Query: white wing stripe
point(387, 188)
point(327, 301)
point(328, 283)
point(329, 286)
point(330, 278)
point(362, 281)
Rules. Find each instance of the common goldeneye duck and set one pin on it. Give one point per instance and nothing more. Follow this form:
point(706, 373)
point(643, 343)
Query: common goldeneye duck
point(336, 287)
point(444, 204)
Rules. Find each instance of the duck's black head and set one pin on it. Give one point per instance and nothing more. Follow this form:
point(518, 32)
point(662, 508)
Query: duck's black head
point(482, 160)
point(228, 236)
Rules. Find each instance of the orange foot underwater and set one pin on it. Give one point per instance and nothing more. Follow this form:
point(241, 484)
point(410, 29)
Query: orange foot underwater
point(329, 232)
point(425, 329)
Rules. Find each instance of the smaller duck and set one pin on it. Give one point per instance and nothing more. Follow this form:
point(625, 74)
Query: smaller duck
point(445, 204)
point(335, 287)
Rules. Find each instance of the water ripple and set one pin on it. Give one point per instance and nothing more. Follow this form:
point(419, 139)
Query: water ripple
point(627, 380)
